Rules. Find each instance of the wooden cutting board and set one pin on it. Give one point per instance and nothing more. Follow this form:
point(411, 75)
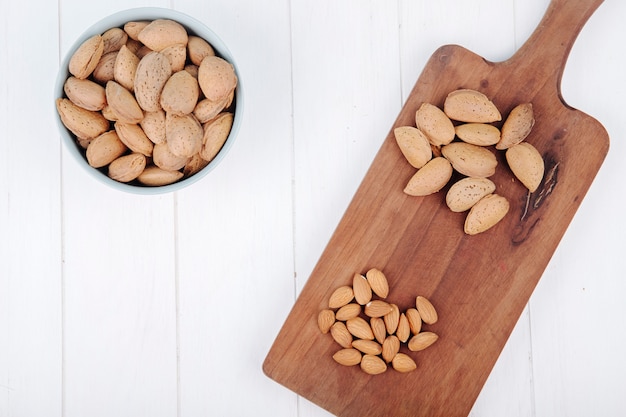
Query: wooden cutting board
point(479, 284)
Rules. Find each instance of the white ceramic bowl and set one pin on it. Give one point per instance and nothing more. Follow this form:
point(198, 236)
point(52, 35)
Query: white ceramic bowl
point(194, 27)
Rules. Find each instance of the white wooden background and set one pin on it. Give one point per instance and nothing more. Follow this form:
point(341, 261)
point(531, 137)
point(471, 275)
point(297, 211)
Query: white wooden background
point(114, 304)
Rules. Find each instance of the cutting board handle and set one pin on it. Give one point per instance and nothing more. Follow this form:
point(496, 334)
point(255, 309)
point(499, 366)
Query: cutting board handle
point(549, 45)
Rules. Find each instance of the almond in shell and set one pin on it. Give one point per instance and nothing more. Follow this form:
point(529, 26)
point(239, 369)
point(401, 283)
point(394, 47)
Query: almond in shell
point(414, 145)
point(123, 103)
point(114, 39)
point(347, 357)
point(206, 109)
point(194, 165)
point(466, 192)
point(435, 124)
point(177, 55)
point(403, 363)
point(470, 160)
point(152, 73)
point(163, 158)
point(485, 214)
point(481, 134)
point(84, 60)
point(85, 93)
point(161, 33)
point(134, 138)
point(517, 126)
point(153, 125)
point(216, 133)
point(198, 49)
point(128, 167)
point(527, 164)
point(125, 68)
point(105, 149)
point(133, 28)
point(105, 69)
point(471, 106)
point(217, 78)
point(180, 93)
point(85, 124)
point(183, 134)
point(431, 178)
point(154, 176)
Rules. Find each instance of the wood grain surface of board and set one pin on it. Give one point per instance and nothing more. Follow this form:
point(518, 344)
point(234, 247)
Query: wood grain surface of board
point(479, 284)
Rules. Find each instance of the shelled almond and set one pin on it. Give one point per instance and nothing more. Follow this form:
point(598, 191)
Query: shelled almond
point(372, 335)
point(470, 116)
point(133, 81)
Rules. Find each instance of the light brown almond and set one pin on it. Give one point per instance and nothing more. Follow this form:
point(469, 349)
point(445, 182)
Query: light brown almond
point(480, 134)
point(517, 126)
point(83, 123)
point(373, 365)
point(378, 328)
point(341, 335)
point(404, 328)
point(390, 348)
point(348, 357)
point(206, 109)
point(435, 124)
point(527, 164)
point(161, 33)
point(155, 177)
point(421, 341)
point(486, 213)
point(183, 134)
point(216, 77)
point(348, 311)
point(325, 319)
point(114, 39)
point(403, 363)
point(414, 145)
point(128, 167)
point(163, 158)
point(415, 321)
point(105, 149)
point(194, 165)
point(341, 296)
point(134, 138)
point(216, 133)
point(125, 68)
point(426, 310)
point(378, 282)
point(431, 178)
point(198, 49)
point(85, 93)
point(123, 103)
point(369, 347)
point(84, 60)
point(470, 160)
point(152, 73)
point(471, 106)
point(362, 289)
point(377, 308)
point(360, 328)
point(180, 94)
point(466, 192)
point(391, 320)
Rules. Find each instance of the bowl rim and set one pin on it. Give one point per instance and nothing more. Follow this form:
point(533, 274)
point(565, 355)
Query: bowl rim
point(117, 19)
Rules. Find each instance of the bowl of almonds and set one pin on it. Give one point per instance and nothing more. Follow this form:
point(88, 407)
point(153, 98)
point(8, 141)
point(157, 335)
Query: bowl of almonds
point(148, 100)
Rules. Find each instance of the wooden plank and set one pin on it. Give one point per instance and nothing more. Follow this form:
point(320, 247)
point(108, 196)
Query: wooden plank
point(119, 297)
point(234, 228)
point(30, 219)
point(401, 236)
